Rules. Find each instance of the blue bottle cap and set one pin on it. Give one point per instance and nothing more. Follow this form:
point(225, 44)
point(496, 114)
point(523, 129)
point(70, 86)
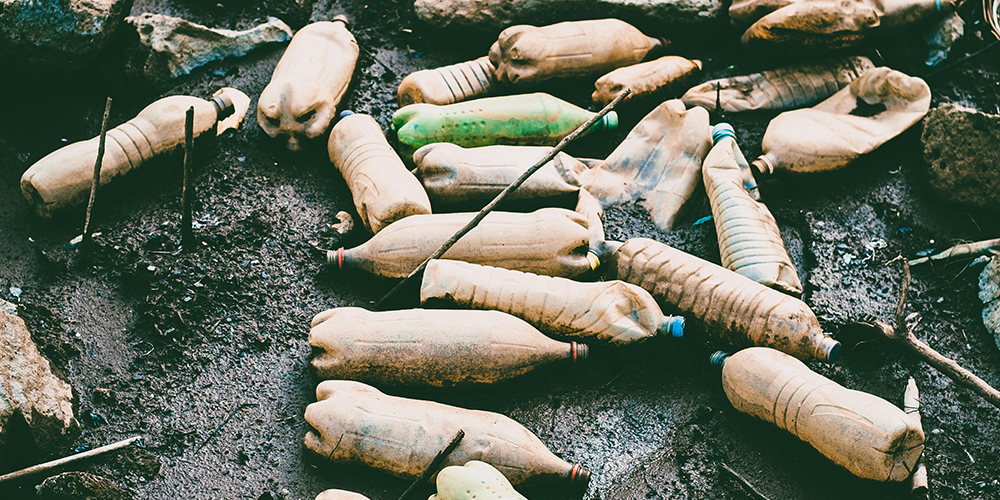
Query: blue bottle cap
point(718, 359)
point(345, 113)
point(721, 130)
point(674, 325)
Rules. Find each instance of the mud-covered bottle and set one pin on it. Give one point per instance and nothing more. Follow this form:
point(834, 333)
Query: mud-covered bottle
point(549, 241)
point(537, 119)
point(453, 174)
point(62, 179)
point(865, 434)
point(384, 190)
point(779, 89)
point(727, 306)
point(432, 347)
point(876, 107)
point(612, 312)
point(355, 423)
point(525, 56)
point(659, 162)
point(340, 495)
point(449, 84)
point(749, 239)
point(474, 480)
point(307, 84)
point(660, 76)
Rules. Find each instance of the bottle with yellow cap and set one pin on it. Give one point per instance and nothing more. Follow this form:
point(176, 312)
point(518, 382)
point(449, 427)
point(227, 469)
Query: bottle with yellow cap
point(62, 179)
point(355, 423)
point(474, 480)
point(660, 76)
point(434, 347)
point(449, 84)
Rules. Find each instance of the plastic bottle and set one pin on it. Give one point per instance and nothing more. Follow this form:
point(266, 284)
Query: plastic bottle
point(743, 13)
point(749, 239)
point(865, 434)
point(340, 495)
point(780, 89)
point(384, 190)
point(308, 82)
point(449, 84)
point(873, 109)
point(453, 174)
point(728, 307)
point(63, 178)
point(659, 162)
point(550, 241)
point(661, 76)
point(612, 312)
point(519, 120)
point(525, 56)
point(355, 423)
point(474, 480)
point(439, 348)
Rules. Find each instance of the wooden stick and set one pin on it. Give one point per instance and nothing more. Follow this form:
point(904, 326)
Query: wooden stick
point(85, 244)
point(746, 484)
point(904, 335)
point(911, 406)
point(187, 234)
point(47, 466)
point(962, 250)
point(503, 194)
point(435, 464)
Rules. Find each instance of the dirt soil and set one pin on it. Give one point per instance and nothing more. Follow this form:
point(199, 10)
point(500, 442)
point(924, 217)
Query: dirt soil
point(205, 355)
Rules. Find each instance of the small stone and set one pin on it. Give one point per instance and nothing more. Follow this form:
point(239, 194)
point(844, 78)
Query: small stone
point(963, 162)
point(80, 486)
point(15, 292)
point(345, 223)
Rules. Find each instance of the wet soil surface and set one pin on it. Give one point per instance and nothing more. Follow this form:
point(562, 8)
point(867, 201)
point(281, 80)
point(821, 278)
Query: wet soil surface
point(204, 353)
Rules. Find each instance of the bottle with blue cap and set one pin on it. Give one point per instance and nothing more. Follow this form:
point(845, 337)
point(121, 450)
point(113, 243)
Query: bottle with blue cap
point(384, 190)
point(749, 240)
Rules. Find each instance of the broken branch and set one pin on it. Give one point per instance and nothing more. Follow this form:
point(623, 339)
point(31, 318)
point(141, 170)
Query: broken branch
point(435, 464)
point(187, 235)
point(962, 250)
point(47, 466)
point(97, 175)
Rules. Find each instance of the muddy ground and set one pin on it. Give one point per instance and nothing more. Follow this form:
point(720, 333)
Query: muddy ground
point(204, 354)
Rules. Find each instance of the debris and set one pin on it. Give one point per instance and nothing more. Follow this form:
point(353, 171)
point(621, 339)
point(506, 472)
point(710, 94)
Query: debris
point(450, 84)
point(86, 240)
point(64, 35)
point(345, 223)
point(62, 179)
point(436, 464)
point(215, 432)
point(187, 193)
point(962, 167)
point(746, 484)
point(865, 434)
point(941, 35)
point(779, 89)
point(662, 76)
point(475, 479)
point(911, 406)
point(308, 83)
point(350, 416)
point(15, 292)
point(180, 46)
point(48, 466)
point(989, 293)
point(80, 486)
point(876, 107)
point(986, 247)
point(733, 309)
point(384, 190)
point(340, 495)
point(611, 312)
point(439, 348)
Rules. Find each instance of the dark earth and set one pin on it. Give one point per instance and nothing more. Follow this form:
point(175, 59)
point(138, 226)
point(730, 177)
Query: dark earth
point(204, 353)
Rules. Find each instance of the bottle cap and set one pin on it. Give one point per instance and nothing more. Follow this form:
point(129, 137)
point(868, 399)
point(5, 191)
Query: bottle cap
point(674, 325)
point(763, 165)
point(579, 352)
point(335, 257)
point(345, 113)
point(579, 475)
point(342, 18)
point(610, 121)
point(722, 130)
point(828, 350)
point(718, 359)
point(594, 260)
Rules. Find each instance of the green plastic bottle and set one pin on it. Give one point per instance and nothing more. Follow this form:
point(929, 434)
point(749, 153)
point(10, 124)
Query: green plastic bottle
point(522, 120)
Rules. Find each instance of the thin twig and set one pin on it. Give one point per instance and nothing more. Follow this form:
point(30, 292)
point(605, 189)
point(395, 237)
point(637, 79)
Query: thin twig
point(223, 424)
point(435, 464)
point(503, 194)
point(985, 247)
point(85, 244)
point(746, 484)
point(47, 466)
point(187, 234)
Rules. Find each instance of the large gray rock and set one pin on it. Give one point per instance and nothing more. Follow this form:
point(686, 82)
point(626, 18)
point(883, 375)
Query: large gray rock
point(962, 157)
point(492, 16)
point(58, 33)
point(29, 388)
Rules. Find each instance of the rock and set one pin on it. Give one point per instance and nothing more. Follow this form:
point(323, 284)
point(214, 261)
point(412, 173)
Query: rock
point(989, 293)
point(960, 150)
point(65, 34)
point(179, 46)
point(80, 486)
point(492, 16)
point(28, 387)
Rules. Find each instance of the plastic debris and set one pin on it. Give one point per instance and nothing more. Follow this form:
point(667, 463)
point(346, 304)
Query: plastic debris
point(474, 480)
point(941, 35)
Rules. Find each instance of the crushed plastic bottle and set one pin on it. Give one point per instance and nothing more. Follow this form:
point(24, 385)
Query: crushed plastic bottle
point(661, 76)
point(440, 348)
point(749, 239)
point(865, 434)
point(659, 162)
point(62, 179)
point(520, 120)
point(449, 84)
point(879, 105)
point(474, 481)
point(525, 56)
point(384, 190)
point(452, 174)
point(355, 423)
point(549, 241)
point(728, 307)
point(780, 89)
point(612, 312)
point(308, 83)
point(340, 495)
